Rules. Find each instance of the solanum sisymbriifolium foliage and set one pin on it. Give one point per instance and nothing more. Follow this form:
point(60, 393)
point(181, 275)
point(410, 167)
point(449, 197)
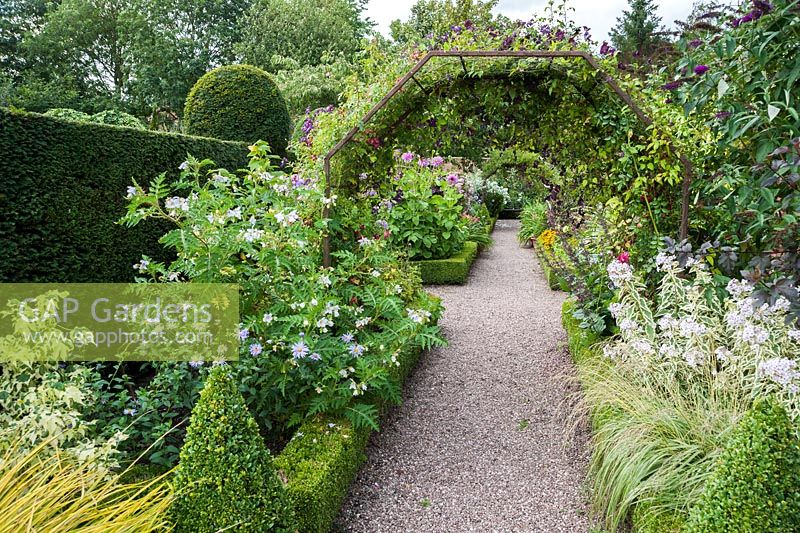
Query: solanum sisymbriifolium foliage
point(313, 339)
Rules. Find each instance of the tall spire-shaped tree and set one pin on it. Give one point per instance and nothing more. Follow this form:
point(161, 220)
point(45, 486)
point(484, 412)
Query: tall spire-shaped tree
point(638, 34)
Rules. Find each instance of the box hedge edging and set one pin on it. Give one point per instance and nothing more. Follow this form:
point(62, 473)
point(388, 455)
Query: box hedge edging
point(554, 281)
point(63, 191)
point(490, 226)
point(451, 271)
point(323, 458)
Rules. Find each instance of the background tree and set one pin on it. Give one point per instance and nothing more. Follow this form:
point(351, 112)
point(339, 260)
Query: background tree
point(184, 40)
point(639, 35)
point(92, 40)
point(17, 17)
point(302, 30)
point(431, 18)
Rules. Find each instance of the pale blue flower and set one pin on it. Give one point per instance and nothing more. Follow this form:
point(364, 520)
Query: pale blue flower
point(357, 350)
point(300, 350)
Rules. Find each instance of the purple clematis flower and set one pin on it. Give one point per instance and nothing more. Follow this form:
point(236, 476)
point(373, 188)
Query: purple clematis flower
point(606, 49)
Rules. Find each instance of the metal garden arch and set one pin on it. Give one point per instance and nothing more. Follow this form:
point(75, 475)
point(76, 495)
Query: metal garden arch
point(518, 54)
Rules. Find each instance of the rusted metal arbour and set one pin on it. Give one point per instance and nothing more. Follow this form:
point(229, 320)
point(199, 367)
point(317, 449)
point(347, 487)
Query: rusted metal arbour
point(518, 54)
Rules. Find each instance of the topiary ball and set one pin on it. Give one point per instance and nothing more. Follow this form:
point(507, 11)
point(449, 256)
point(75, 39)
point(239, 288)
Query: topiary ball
point(238, 103)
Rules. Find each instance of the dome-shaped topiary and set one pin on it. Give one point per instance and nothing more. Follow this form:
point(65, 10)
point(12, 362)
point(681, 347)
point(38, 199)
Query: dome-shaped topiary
point(238, 103)
point(755, 486)
point(225, 479)
point(117, 118)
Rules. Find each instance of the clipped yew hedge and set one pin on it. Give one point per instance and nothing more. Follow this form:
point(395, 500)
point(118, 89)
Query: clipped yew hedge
point(62, 190)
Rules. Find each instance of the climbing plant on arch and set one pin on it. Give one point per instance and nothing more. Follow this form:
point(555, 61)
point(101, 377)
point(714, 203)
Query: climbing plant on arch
point(484, 91)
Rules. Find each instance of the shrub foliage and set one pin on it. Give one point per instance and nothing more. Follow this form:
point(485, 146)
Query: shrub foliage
point(225, 479)
point(238, 103)
point(63, 190)
point(754, 485)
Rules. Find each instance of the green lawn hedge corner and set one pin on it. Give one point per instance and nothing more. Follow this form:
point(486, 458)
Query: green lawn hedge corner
point(452, 271)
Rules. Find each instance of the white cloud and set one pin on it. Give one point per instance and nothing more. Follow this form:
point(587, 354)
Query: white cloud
point(600, 15)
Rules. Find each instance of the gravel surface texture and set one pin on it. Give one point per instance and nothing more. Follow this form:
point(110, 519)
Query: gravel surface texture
point(481, 442)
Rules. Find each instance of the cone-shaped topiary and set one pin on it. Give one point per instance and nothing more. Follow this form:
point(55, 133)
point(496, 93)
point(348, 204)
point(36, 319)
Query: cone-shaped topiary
point(755, 486)
point(238, 103)
point(225, 479)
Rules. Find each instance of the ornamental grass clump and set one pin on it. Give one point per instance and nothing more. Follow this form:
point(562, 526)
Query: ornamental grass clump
point(755, 486)
point(673, 384)
point(42, 489)
point(533, 221)
point(225, 479)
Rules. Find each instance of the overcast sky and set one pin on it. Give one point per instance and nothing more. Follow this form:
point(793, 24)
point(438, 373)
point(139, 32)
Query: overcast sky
point(600, 15)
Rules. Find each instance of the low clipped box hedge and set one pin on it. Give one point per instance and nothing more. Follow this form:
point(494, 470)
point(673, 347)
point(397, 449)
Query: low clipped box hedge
point(554, 281)
point(63, 191)
point(451, 271)
point(238, 103)
point(323, 458)
point(319, 464)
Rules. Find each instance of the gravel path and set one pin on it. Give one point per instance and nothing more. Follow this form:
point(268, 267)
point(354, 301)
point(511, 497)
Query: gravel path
point(480, 442)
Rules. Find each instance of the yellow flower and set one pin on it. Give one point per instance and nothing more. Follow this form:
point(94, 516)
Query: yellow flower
point(547, 238)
